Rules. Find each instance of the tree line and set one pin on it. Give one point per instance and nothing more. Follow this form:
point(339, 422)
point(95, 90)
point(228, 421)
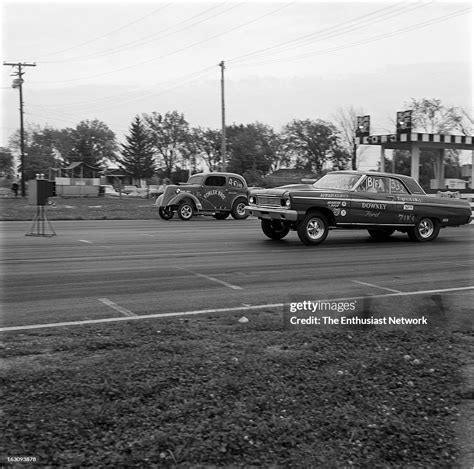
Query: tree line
point(165, 144)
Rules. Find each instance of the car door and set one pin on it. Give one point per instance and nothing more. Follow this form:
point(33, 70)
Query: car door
point(372, 202)
point(213, 193)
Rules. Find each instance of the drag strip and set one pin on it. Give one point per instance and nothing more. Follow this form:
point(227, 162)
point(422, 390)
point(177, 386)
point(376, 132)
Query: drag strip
point(156, 268)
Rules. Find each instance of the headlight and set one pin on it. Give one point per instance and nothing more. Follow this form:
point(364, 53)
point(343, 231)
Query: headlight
point(252, 199)
point(286, 203)
point(178, 191)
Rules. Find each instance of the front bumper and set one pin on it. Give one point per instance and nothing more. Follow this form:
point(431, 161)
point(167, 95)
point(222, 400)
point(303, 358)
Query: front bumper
point(272, 213)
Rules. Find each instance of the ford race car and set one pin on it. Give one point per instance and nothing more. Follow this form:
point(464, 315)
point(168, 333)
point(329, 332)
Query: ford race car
point(381, 203)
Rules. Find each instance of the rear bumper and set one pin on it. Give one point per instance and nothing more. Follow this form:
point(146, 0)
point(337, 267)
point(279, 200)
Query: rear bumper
point(273, 213)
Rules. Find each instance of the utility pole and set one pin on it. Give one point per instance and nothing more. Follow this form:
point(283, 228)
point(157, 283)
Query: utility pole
point(18, 83)
point(223, 141)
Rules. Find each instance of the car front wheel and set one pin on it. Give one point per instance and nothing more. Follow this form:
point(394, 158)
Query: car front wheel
point(238, 210)
point(274, 229)
point(185, 211)
point(425, 229)
point(313, 229)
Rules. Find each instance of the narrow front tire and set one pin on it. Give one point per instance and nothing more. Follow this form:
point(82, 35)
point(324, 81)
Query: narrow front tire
point(313, 229)
point(275, 229)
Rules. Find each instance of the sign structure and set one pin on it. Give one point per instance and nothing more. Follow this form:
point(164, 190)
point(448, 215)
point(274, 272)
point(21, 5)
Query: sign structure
point(363, 126)
point(404, 122)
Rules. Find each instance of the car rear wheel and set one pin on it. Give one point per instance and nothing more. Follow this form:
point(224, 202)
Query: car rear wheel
point(313, 229)
point(381, 233)
point(274, 229)
point(166, 213)
point(425, 229)
point(221, 215)
point(185, 211)
point(238, 209)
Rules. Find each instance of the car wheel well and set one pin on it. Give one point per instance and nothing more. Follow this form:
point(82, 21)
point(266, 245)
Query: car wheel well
point(324, 211)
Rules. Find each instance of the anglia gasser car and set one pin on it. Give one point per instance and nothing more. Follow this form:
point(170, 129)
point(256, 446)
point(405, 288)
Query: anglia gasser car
point(381, 203)
point(216, 194)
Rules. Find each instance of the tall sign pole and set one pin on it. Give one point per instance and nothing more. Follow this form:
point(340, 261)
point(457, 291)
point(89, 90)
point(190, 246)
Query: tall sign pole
point(223, 141)
point(18, 83)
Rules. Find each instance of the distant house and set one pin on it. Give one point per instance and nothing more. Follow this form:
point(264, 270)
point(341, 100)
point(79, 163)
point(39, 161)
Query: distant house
point(77, 180)
point(282, 177)
point(116, 177)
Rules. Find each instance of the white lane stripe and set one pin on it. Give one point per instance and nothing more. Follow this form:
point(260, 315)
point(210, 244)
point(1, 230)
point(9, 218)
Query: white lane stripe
point(219, 310)
point(376, 286)
point(120, 309)
point(85, 241)
point(212, 279)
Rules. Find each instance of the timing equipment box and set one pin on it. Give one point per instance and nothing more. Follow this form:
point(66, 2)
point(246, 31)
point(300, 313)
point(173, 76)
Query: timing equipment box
point(39, 190)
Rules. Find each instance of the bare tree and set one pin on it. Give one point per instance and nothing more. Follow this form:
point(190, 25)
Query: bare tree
point(346, 122)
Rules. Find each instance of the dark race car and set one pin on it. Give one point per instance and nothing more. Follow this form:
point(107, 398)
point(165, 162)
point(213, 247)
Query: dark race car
point(216, 194)
point(381, 203)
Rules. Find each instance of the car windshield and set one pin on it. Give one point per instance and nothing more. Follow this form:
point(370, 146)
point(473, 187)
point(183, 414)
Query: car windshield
point(341, 181)
point(197, 179)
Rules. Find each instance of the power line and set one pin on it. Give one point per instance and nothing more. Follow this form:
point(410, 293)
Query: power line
point(354, 44)
point(189, 46)
point(136, 42)
point(365, 19)
point(332, 32)
point(106, 34)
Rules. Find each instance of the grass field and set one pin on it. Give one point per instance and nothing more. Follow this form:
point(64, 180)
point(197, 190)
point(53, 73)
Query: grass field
point(81, 208)
point(214, 392)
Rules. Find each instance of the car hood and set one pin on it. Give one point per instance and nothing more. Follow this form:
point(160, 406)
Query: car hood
point(284, 190)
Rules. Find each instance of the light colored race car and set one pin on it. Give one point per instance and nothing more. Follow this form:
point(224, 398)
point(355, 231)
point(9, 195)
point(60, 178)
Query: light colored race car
point(381, 203)
point(215, 194)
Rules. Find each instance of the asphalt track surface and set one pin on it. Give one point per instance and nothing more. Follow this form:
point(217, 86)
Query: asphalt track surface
point(106, 270)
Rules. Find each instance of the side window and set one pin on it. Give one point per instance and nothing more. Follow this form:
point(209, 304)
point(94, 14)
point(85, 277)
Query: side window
point(234, 182)
point(396, 187)
point(377, 184)
point(215, 181)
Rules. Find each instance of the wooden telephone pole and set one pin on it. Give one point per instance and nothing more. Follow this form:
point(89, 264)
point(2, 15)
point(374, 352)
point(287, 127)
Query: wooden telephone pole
point(18, 83)
point(223, 141)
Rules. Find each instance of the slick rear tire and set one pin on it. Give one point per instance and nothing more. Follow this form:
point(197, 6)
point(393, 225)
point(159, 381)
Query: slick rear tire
point(274, 229)
point(425, 229)
point(313, 229)
point(166, 213)
point(238, 209)
point(185, 211)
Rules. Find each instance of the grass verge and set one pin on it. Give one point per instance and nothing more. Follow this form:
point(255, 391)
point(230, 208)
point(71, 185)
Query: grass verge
point(81, 208)
point(213, 392)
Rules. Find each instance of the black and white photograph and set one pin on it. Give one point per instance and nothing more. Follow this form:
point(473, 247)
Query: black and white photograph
point(237, 234)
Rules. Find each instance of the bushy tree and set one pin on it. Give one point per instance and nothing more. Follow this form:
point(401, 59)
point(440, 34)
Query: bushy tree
point(39, 150)
point(170, 136)
point(6, 163)
point(311, 144)
point(252, 149)
point(207, 144)
point(137, 154)
point(93, 143)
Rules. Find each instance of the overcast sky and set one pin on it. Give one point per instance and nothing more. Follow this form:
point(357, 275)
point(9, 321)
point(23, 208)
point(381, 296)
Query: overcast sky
point(284, 60)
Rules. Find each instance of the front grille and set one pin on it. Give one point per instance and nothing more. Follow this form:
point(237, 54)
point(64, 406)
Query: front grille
point(268, 201)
